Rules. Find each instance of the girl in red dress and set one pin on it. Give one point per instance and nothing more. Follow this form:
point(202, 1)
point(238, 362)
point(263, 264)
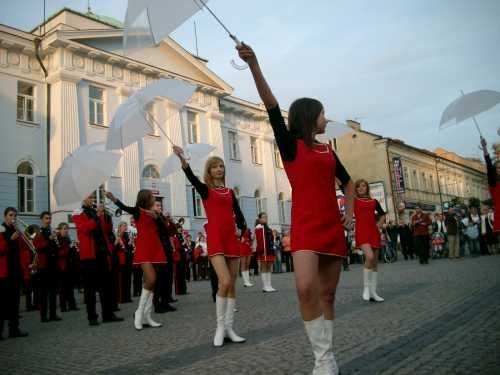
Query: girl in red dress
point(148, 251)
point(493, 177)
point(264, 251)
point(368, 236)
point(221, 207)
point(317, 233)
point(245, 255)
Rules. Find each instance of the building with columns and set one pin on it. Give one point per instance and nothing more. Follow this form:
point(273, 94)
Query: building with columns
point(61, 84)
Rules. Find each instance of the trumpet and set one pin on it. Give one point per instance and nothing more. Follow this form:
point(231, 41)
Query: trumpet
point(28, 233)
point(117, 212)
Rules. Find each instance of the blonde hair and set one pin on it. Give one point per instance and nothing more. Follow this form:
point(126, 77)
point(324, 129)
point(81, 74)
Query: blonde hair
point(208, 166)
point(358, 183)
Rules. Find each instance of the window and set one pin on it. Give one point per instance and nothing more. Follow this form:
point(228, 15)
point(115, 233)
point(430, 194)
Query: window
point(197, 203)
point(254, 150)
point(424, 182)
point(431, 183)
point(150, 171)
point(150, 117)
point(406, 177)
point(281, 207)
point(25, 188)
point(234, 152)
point(193, 131)
point(260, 202)
point(96, 105)
point(415, 180)
point(25, 102)
point(277, 157)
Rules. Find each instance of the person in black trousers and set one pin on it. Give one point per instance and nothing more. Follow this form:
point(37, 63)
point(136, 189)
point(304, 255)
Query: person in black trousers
point(126, 269)
point(47, 248)
point(68, 268)
point(10, 274)
point(420, 223)
point(162, 296)
point(180, 266)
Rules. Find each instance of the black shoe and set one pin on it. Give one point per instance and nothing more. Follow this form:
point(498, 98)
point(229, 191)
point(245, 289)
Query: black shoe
point(113, 319)
point(55, 318)
point(64, 309)
point(169, 308)
point(93, 322)
point(172, 300)
point(30, 308)
point(74, 308)
point(44, 319)
point(160, 310)
point(18, 333)
point(116, 309)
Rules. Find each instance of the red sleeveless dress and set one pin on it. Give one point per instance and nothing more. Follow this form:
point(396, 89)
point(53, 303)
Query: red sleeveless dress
point(148, 247)
point(316, 224)
point(366, 226)
point(221, 226)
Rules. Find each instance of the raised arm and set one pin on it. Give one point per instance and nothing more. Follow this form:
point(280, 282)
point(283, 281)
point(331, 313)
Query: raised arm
point(200, 187)
point(131, 210)
point(240, 219)
point(284, 139)
point(492, 178)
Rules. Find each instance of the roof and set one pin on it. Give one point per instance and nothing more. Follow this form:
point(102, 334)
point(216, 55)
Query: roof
point(109, 21)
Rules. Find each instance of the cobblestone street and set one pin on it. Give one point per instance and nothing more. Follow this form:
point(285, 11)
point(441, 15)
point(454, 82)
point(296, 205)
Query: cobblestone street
point(438, 319)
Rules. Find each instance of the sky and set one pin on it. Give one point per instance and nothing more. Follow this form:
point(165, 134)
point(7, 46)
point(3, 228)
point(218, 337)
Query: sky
point(391, 65)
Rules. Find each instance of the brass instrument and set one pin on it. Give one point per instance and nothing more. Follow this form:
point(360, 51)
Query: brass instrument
point(109, 210)
point(28, 234)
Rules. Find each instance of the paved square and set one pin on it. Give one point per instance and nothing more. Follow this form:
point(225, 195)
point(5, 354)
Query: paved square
point(438, 319)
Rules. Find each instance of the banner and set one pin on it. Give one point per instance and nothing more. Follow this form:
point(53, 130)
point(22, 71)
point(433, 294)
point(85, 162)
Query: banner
point(399, 181)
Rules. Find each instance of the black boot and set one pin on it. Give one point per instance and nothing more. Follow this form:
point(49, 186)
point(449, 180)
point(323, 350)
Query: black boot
point(17, 333)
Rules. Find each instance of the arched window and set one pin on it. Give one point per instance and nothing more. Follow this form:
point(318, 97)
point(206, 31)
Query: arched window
point(260, 202)
point(281, 207)
point(150, 171)
point(25, 188)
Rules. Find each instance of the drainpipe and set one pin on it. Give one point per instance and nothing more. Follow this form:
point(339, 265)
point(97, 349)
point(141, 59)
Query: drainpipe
point(37, 42)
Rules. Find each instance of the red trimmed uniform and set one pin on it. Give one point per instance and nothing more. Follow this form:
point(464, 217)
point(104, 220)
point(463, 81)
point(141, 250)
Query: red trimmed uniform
point(367, 232)
point(246, 244)
point(264, 240)
point(223, 214)
point(316, 224)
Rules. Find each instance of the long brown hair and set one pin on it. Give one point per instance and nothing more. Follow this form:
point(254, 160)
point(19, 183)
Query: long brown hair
point(359, 182)
point(144, 199)
point(208, 166)
point(302, 119)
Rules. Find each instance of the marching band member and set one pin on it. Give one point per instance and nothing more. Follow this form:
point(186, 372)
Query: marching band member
point(221, 207)
point(123, 250)
point(67, 266)
point(264, 251)
point(317, 233)
point(149, 251)
point(245, 255)
point(368, 237)
point(165, 272)
point(10, 273)
point(47, 250)
point(94, 261)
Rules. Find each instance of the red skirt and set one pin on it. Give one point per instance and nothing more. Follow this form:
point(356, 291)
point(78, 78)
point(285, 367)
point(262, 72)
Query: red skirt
point(266, 258)
point(222, 241)
point(368, 237)
point(245, 250)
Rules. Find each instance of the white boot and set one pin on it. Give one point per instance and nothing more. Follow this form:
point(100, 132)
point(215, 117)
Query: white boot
point(324, 359)
point(139, 313)
point(373, 288)
point(228, 322)
point(329, 339)
point(246, 279)
point(220, 308)
point(266, 282)
point(147, 313)
point(366, 284)
point(271, 289)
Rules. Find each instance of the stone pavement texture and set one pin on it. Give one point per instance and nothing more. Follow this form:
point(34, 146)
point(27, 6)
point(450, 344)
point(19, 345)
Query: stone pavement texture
point(443, 318)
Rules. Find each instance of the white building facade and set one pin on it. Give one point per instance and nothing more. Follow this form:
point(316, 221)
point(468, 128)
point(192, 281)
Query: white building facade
point(60, 91)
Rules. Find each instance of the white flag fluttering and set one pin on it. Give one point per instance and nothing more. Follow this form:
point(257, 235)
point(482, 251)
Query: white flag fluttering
point(131, 122)
point(147, 22)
